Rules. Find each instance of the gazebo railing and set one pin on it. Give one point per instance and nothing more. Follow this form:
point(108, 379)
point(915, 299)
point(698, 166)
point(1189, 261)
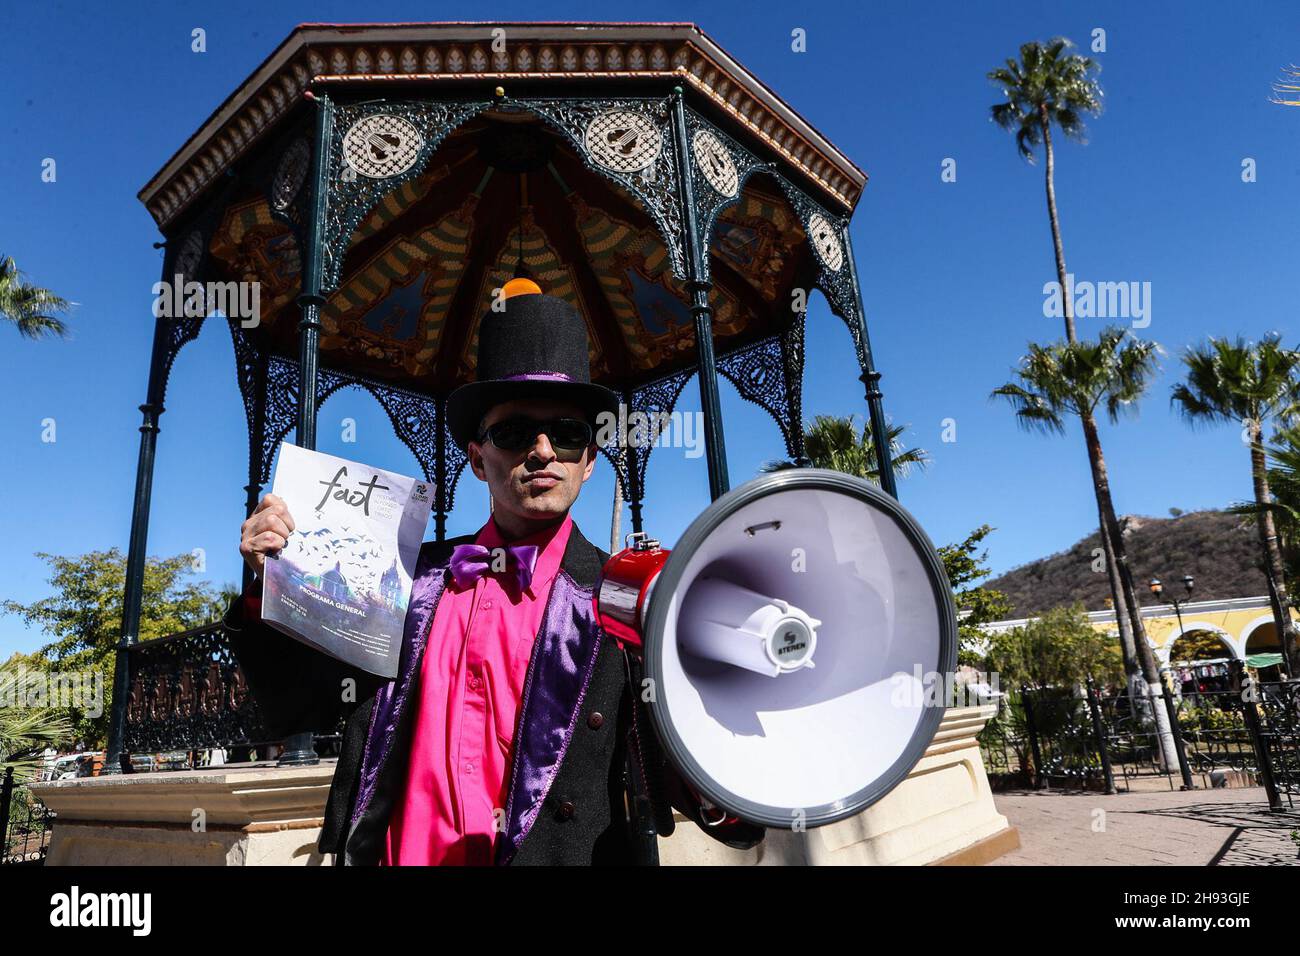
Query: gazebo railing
point(187, 692)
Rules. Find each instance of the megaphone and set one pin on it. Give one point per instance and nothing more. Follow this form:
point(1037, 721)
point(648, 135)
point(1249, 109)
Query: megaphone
point(786, 642)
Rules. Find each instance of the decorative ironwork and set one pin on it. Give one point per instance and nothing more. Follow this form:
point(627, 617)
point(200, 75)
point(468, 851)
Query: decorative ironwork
point(623, 141)
point(189, 255)
point(762, 374)
point(1048, 735)
point(825, 239)
point(647, 412)
point(406, 135)
point(290, 174)
point(836, 284)
point(721, 167)
point(250, 374)
point(653, 185)
point(188, 691)
point(792, 361)
point(25, 824)
point(412, 416)
point(1279, 711)
point(381, 146)
point(185, 257)
point(715, 162)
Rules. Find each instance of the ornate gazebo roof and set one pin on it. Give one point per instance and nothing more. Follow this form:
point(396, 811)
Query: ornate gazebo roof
point(451, 53)
point(428, 243)
point(382, 182)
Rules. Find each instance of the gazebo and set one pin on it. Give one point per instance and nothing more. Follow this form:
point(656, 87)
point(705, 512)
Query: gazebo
point(370, 188)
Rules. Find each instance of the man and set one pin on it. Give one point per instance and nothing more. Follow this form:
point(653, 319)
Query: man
point(508, 733)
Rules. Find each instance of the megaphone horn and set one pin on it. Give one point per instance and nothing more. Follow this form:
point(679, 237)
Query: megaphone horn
point(785, 640)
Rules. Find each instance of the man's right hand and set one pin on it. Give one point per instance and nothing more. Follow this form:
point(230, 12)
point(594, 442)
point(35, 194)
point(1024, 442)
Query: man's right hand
point(265, 532)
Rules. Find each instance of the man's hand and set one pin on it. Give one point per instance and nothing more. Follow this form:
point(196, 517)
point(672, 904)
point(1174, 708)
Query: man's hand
point(265, 532)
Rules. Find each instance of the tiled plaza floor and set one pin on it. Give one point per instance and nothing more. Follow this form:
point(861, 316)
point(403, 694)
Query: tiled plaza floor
point(1196, 828)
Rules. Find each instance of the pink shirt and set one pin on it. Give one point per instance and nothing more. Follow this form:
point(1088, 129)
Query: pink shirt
point(470, 684)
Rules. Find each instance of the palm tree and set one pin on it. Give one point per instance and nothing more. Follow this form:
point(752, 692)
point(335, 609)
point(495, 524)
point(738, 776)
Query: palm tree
point(1284, 487)
point(834, 442)
point(26, 731)
point(1231, 382)
point(30, 308)
point(1047, 87)
point(1050, 86)
point(1077, 379)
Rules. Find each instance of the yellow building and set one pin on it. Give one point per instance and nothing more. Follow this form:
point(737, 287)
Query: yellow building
point(1243, 627)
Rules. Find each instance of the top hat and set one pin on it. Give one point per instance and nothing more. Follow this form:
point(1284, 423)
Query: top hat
point(535, 348)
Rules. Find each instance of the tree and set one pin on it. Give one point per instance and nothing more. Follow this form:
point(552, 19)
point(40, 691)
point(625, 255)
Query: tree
point(976, 606)
point(31, 309)
point(82, 617)
point(1076, 379)
point(1058, 649)
point(1284, 487)
point(25, 731)
point(1048, 87)
point(1197, 646)
point(1254, 385)
point(834, 442)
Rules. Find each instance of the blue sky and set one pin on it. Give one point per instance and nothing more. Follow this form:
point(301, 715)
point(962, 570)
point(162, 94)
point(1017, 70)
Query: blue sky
point(952, 273)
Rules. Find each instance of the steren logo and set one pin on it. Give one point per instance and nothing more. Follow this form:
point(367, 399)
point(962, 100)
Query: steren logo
point(103, 909)
point(790, 637)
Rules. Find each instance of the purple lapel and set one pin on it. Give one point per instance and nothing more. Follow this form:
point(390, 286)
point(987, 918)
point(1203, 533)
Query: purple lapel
point(391, 698)
point(563, 658)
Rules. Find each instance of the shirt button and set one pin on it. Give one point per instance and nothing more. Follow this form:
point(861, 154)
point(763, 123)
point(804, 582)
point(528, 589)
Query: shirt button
point(469, 768)
point(487, 605)
point(595, 720)
point(474, 683)
point(566, 810)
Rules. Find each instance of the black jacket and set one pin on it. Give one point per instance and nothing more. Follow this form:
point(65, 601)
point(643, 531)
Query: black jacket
point(577, 726)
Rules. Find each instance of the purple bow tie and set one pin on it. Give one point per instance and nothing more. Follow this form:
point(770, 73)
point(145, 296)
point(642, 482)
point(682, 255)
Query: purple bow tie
point(469, 562)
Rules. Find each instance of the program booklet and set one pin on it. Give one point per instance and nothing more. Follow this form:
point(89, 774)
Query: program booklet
point(343, 582)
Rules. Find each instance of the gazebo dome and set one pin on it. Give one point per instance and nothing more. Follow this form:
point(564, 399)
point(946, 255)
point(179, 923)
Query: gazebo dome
point(636, 170)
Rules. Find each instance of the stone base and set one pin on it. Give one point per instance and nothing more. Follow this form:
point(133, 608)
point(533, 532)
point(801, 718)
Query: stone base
point(237, 815)
point(942, 810)
point(259, 815)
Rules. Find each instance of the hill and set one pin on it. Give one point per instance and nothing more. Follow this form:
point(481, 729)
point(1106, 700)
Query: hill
point(1219, 550)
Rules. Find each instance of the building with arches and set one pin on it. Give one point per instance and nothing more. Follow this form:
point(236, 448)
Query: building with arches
point(1211, 632)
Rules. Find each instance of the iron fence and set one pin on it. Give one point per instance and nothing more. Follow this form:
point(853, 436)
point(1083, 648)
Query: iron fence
point(1080, 737)
point(25, 824)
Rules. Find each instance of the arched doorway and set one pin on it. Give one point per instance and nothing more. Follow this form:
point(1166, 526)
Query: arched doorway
point(1198, 661)
point(1264, 651)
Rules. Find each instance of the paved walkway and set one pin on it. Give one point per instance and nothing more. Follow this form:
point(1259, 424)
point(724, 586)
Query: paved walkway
point(1196, 828)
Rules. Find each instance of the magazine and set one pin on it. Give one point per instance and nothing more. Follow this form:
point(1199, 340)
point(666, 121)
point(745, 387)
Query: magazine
point(343, 581)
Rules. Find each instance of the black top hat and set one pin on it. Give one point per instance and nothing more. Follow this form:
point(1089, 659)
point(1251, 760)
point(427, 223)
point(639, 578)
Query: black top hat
point(536, 347)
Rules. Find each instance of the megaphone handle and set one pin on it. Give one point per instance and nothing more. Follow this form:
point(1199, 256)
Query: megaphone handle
point(646, 762)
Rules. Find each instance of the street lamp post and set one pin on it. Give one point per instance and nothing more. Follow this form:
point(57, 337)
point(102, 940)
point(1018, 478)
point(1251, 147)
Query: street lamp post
point(1166, 692)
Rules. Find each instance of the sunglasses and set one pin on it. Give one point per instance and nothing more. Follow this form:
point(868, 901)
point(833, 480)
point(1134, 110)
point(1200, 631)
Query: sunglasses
point(567, 435)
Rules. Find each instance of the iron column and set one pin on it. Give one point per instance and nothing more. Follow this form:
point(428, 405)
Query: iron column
point(298, 748)
point(871, 379)
point(699, 286)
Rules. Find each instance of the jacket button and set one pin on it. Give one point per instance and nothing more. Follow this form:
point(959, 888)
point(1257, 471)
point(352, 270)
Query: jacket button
point(565, 811)
point(595, 720)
